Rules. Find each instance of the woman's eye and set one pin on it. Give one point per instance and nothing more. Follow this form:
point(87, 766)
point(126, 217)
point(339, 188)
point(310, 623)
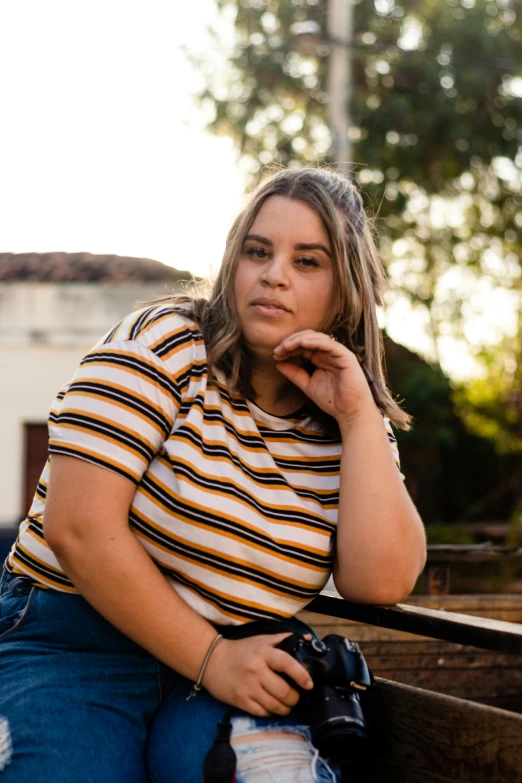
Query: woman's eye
point(307, 261)
point(257, 252)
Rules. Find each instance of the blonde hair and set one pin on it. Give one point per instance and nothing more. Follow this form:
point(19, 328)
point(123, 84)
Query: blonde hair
point(358, 275)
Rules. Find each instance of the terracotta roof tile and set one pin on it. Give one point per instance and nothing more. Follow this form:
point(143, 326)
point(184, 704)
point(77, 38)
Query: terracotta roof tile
point(84, 268)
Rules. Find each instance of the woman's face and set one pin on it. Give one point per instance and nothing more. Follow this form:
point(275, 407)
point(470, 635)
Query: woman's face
point(284, 279)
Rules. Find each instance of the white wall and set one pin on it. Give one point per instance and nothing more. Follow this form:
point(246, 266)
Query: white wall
point(45, 330)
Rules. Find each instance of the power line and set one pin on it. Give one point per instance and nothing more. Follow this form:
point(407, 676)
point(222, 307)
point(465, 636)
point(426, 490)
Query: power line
point(500, 64)
point(476, 62)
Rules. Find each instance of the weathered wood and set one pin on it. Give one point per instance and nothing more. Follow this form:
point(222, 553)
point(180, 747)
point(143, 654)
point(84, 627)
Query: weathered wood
point(425, 737)
point(496, 606)
point(490, 677)
point(436, 578)
point(474, 553)
point(459, 628)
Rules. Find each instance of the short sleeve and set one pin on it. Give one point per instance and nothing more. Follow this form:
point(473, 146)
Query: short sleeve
point(393, 445)
point(117, 410)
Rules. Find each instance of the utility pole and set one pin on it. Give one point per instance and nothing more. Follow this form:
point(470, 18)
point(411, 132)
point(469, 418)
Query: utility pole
point(340, 28)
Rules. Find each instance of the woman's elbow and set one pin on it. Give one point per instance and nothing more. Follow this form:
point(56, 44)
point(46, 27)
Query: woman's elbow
point(381, 590)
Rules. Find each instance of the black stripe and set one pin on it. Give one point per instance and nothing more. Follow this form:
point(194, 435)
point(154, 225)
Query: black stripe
point(221, 563)
point(308, 436)
point(111, 431)
point(172, 341)
point(218, 522)
point(221, 603)
point(139, 322)
point(226, 487)
point(135, 364)
point(48, 572)
point(237, 403)
point(162, 312)
point(195, 371)
point(125, 398)
point(111, 334)
point(41, 491)
point(221, 452)
point(36, 526)
point(317, 467)
point(70, 452)
point(248, 441)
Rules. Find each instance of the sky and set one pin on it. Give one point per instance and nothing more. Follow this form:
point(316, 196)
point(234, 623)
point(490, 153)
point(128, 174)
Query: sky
point(103, 146)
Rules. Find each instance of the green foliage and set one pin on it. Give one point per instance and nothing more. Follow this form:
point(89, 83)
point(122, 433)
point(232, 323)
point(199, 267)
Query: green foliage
point(440, 533)
point(424, 111)
point(451, 473)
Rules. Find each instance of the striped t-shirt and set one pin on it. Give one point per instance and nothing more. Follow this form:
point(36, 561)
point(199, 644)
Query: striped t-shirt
point(235, 506)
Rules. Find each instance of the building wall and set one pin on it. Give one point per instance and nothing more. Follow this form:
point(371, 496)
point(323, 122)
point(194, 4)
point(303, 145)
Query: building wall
point(45, 330)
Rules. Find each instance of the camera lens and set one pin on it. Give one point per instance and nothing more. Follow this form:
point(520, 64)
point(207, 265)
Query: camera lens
point(339, 742)
point(337, 724)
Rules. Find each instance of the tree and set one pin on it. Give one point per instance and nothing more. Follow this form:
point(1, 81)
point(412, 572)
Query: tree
point(435, 86)
point(437, 139)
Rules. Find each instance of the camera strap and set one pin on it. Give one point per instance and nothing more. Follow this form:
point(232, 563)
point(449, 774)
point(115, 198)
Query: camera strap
point(220, 762)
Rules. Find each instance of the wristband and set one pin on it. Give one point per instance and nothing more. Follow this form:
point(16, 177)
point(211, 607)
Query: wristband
point(197, 685)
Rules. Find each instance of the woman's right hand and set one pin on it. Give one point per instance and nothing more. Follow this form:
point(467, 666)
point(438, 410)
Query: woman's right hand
point(245, 674)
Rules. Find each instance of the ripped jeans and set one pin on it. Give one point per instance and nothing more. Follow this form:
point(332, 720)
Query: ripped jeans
point(79, 702)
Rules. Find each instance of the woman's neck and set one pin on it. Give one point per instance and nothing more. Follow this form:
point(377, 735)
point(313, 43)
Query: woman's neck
point(274, 393)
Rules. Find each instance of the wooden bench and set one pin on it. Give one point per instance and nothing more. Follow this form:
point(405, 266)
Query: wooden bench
point(424, 737)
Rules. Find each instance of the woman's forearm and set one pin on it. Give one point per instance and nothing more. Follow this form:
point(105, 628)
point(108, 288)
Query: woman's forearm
point(381, 544)
point(116, 575)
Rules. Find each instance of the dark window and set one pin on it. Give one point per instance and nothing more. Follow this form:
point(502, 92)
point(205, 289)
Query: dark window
point(35, 457)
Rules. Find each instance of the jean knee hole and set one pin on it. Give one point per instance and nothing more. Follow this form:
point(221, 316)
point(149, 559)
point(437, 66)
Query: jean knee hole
point(6, 747)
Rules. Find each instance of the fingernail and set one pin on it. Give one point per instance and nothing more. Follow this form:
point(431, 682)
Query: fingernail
point(309, 685)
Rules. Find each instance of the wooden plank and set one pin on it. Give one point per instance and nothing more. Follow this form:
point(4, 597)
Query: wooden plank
point(497, 606)
point(452, 627)
point(458, 670)
point(423, 737)
point(436, 578)
point(476, 553)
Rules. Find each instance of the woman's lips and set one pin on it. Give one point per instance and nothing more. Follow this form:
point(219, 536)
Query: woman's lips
point(269, 306)
point(270, 311)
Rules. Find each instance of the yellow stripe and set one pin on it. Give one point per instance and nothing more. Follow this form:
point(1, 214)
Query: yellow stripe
point(191, 339)
point(233, 536)
point(26, 569)
point(121, 404)
point(224, 596)
point(233, 498)
point(216, 553)
point(83, 414)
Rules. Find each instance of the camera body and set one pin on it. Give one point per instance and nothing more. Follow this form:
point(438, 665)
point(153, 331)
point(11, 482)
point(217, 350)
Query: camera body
point(334, 708)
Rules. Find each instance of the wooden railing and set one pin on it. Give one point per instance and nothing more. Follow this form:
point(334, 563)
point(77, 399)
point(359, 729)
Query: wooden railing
point(418, 736)
point(450, 627)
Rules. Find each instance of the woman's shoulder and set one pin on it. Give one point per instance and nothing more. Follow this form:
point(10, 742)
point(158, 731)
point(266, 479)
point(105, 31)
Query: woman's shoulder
point(155, 326)
point(162, 329)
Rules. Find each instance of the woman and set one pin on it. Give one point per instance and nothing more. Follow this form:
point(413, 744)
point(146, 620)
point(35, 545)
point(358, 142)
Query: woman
point(211, 462)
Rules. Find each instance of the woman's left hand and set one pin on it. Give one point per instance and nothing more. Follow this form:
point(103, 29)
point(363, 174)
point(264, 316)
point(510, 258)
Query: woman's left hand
point(337, 385)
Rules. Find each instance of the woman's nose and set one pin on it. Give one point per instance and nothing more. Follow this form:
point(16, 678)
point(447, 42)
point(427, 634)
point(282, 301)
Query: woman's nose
point(275, 272)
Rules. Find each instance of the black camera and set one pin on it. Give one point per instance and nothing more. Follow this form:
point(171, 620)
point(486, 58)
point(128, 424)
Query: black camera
point(334, 708)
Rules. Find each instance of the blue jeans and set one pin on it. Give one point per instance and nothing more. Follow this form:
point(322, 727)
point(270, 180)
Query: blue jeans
point(81, 702)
